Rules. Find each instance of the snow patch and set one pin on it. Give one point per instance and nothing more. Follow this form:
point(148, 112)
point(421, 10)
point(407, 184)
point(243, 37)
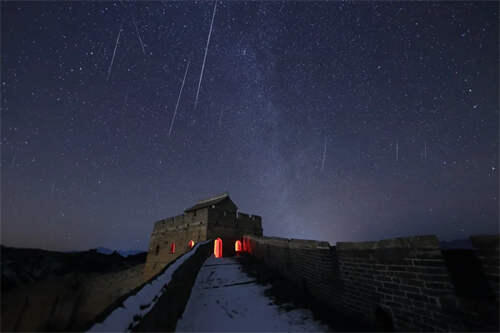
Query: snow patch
point(125, 317)
point(226, 299)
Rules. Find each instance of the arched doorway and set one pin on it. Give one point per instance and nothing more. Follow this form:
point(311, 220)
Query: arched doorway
point(237, 246)
point(218, 248)
point(246, 245)
point(191, 244)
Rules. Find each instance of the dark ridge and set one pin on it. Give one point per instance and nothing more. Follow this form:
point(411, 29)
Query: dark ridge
point(456, 244)
point(20, 267)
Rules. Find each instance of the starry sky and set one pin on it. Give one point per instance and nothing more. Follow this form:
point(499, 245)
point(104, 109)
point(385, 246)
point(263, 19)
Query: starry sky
point(333, 121)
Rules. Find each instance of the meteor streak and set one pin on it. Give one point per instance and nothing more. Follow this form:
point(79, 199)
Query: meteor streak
point(205, 57)
point(178, 99)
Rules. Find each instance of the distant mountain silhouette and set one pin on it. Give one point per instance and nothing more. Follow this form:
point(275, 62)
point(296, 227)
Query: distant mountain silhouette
point(456, 244)
point(24, 266)
point(123, 253)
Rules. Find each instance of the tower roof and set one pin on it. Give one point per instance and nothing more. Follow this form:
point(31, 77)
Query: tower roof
point(208, 202)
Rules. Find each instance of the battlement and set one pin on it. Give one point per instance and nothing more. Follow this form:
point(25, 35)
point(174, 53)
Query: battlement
point(409, 283)
point(178, 222)
point(248, 221)
point(215, 217)
point(289, 242)
point(427, 242)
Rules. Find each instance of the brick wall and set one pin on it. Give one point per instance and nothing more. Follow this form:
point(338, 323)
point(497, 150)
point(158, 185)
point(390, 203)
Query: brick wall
point(164, 315)
point(405, 279)
point(179, 230)
point(487, 248)
point(310, 265)
point(220, 221)
point(230, 227)
point(477, 300)
point(402, 283)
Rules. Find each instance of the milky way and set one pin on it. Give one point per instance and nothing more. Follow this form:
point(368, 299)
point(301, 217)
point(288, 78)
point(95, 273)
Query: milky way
point(334, 121)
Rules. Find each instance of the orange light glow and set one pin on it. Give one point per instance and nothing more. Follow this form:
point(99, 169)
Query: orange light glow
point(218, 248)
point(191, 244)
point(237, 246)
point(246, 245)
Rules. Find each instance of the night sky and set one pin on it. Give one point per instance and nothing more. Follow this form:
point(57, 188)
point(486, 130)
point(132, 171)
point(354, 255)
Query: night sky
point(333, 121)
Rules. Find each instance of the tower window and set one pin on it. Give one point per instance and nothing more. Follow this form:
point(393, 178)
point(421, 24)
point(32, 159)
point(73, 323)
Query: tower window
point(172, 247)
point(157, 250)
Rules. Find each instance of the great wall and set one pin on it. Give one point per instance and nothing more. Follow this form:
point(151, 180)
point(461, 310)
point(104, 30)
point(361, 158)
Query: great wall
point(405, 284)
point(399, 284)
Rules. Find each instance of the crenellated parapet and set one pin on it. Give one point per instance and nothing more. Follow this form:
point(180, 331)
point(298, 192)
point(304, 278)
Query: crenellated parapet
point(212, 218)
point(403, 284)
point(249, 224)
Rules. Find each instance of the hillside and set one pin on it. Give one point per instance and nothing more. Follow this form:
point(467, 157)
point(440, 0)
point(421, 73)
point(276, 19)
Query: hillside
point(21, 267)
point(48, 290)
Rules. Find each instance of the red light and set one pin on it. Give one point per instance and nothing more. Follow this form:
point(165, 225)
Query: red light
point(246, 245)
point(218, 248)
point(237, 246)
point(172, 248)
point(191, 244)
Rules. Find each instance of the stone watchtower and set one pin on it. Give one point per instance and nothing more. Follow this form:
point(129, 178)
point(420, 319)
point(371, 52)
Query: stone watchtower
point(213, 218)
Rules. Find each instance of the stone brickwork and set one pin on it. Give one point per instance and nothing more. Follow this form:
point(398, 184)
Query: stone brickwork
point(401, 284)
point(178, 230)
point(170, 307)
point(487, 248)
point(404, 278)
point(163, 316)
point(231, 226)
point(311, 265)
point(209, 219)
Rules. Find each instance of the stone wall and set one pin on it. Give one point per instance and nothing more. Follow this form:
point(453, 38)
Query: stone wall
point(487, 248)
point(402, 284)
point(178, 230)
point(65, 303)
point(218, 221)
point(310, 265)
point(164, 315)
point(249, 224)
point(231, 226)
point(404, 279)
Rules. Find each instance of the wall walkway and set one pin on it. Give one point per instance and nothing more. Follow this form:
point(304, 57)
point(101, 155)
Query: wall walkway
point(226, 299)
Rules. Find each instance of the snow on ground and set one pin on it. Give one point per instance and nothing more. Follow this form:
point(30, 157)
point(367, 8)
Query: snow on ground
point(224, 298)
point(138, 305)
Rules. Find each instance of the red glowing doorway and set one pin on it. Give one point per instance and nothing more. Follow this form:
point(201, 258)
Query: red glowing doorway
point(218, 248)
point(237, 246)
